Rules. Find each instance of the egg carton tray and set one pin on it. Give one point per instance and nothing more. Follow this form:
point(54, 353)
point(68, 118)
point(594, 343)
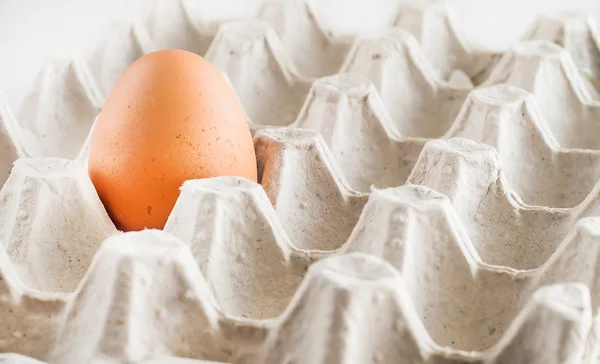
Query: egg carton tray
point(486, 252)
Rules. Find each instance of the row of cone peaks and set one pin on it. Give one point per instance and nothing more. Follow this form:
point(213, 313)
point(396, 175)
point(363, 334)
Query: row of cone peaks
point(69, 92)
point(475, 266)
point(301, 26)
point(360, 292)
point(571, 121)
point(368, 148)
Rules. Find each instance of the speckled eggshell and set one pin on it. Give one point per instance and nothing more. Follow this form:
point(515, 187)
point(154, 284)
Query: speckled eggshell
point(171, 117)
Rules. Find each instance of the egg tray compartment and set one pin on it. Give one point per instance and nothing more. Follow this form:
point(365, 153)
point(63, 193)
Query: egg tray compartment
point(302, 220)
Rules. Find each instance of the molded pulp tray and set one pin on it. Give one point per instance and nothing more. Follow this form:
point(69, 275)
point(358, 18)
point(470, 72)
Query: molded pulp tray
point(420, 201)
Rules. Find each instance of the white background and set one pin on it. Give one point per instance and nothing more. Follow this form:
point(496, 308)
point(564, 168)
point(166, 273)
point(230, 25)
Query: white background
point(32, 30)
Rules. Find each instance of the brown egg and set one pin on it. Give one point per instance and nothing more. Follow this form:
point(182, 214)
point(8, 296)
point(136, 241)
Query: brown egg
point(170, 118)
